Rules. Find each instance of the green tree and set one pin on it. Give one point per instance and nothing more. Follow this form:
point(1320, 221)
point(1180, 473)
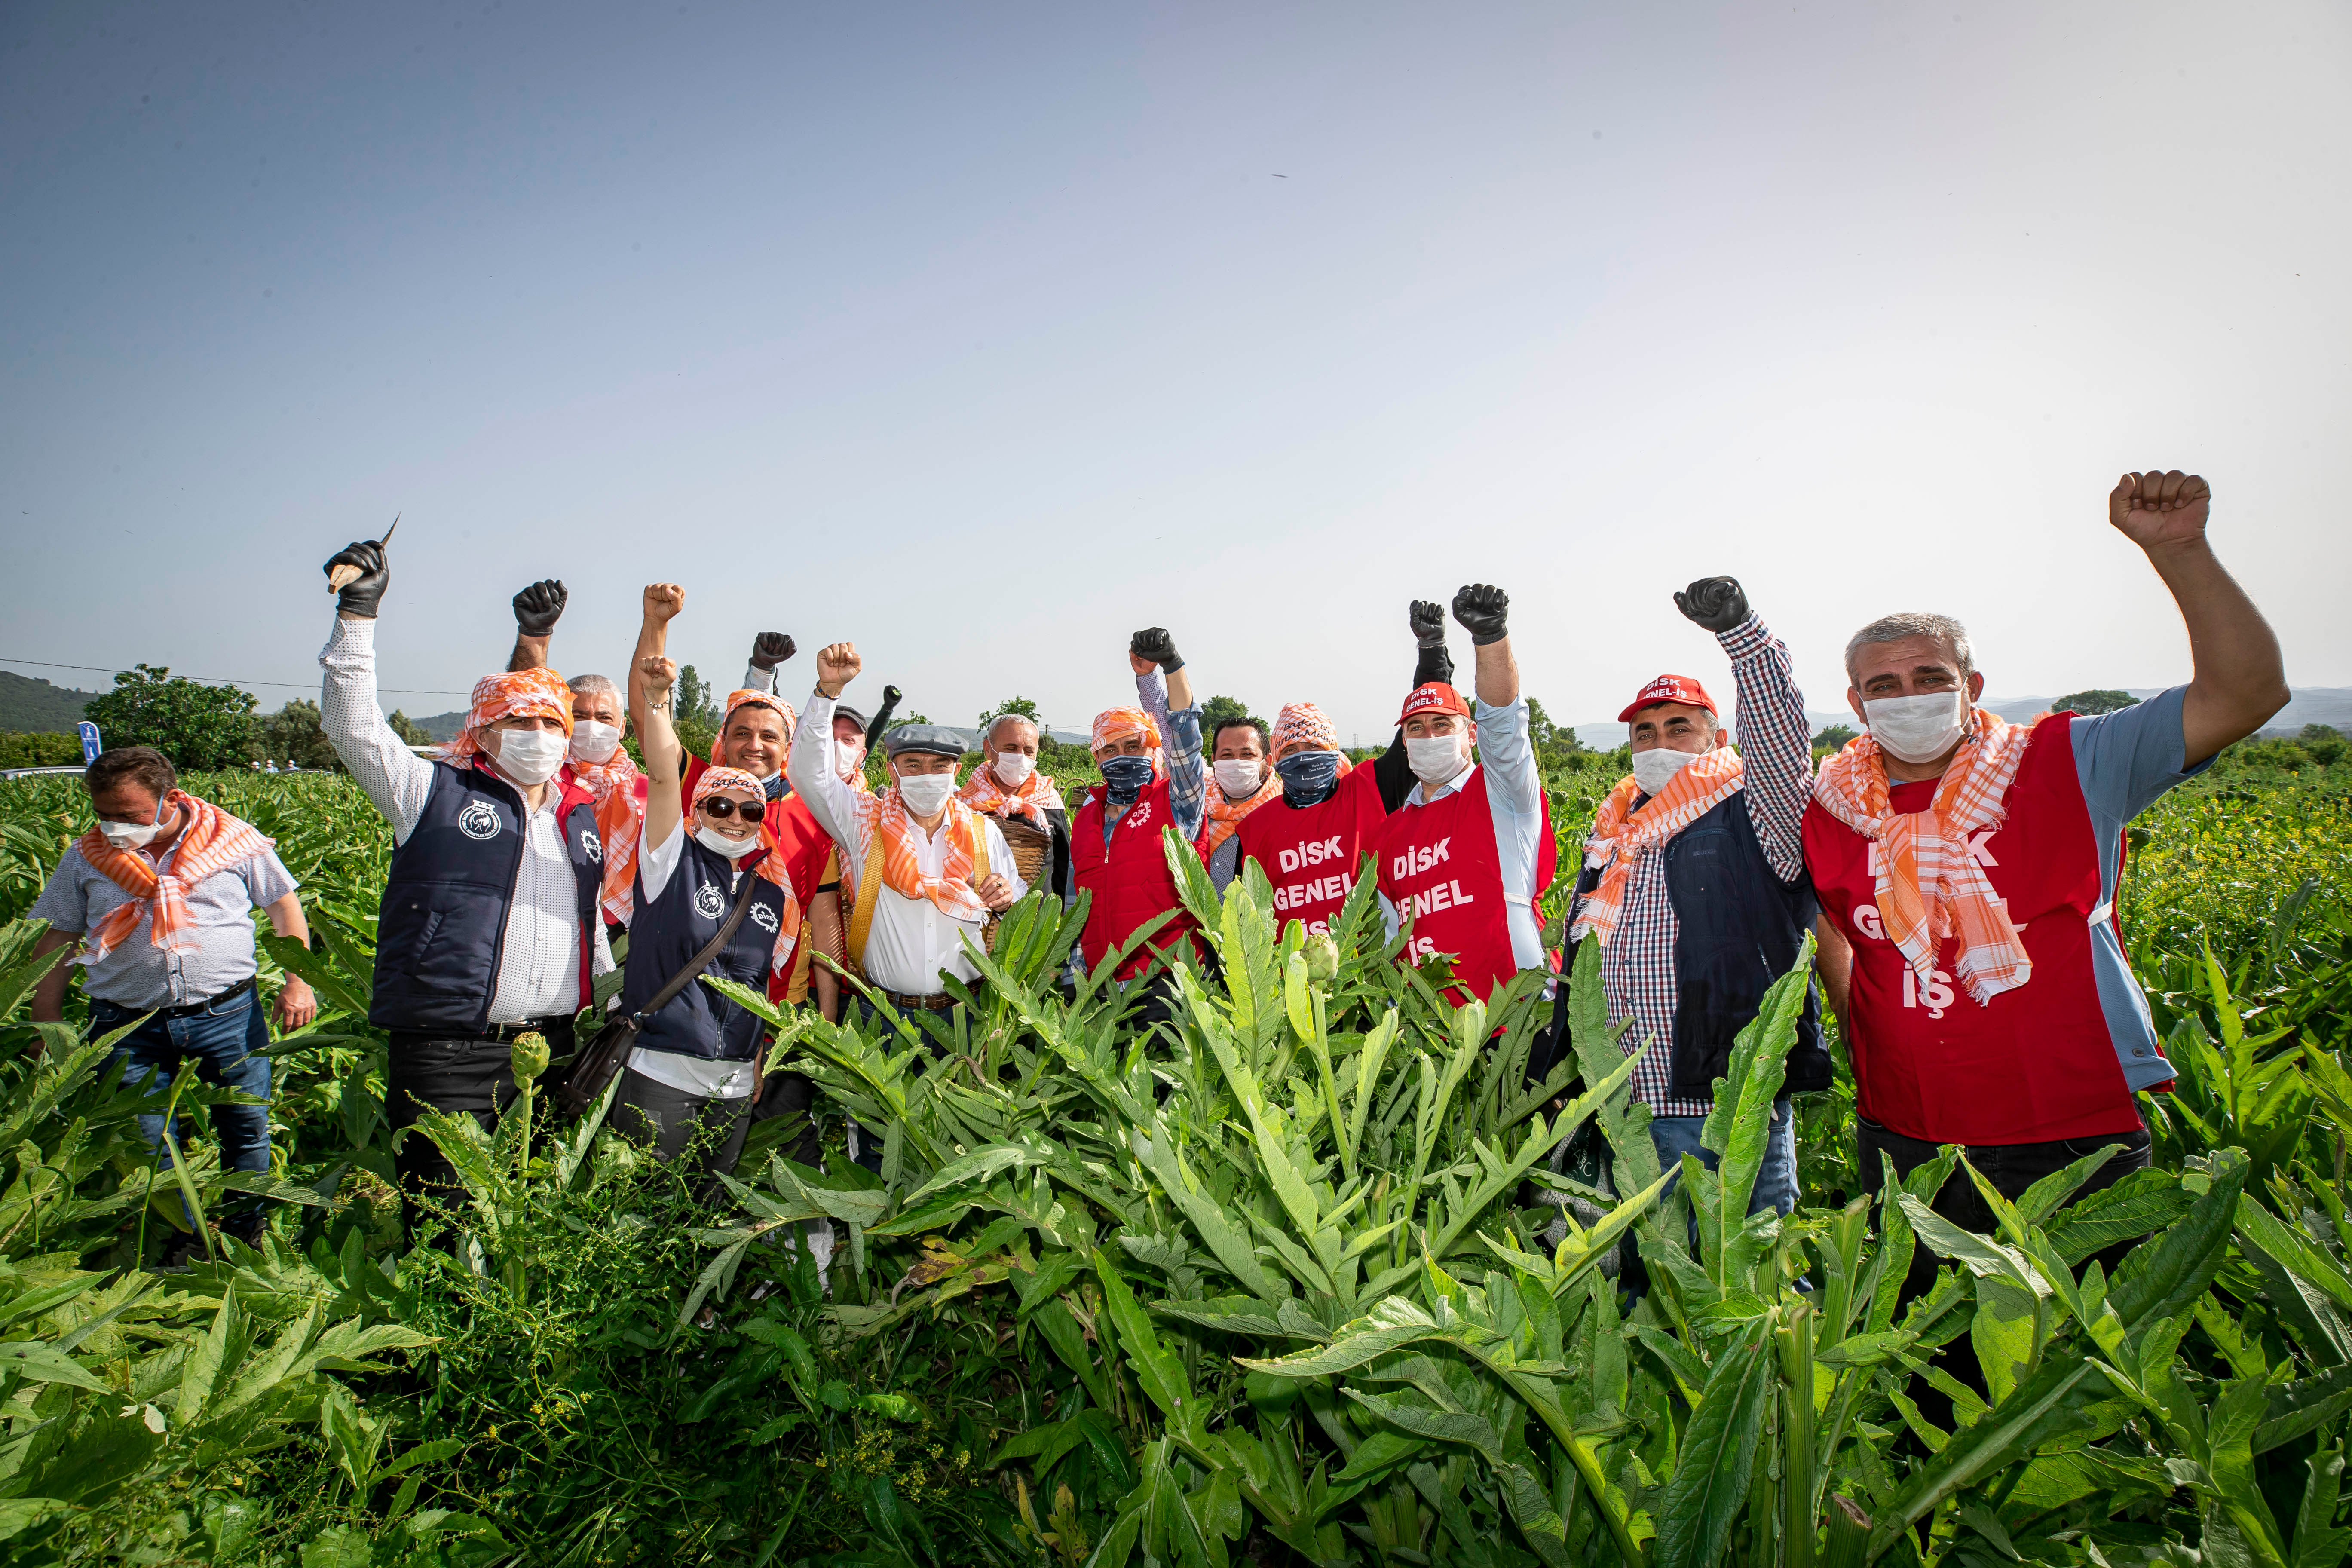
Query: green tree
point(199, 727)
point(2098, 699)
point(2324, 743)
point(1219, 712)
point(697, 704)
point(1020, 705)
point(1833, 737)
point(293, 734)
point(409, 729)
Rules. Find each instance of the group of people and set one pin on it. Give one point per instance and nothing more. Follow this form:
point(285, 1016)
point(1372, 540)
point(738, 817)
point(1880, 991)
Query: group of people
point(1959, 870)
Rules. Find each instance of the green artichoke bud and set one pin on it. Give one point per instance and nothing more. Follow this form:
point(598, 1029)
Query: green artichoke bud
point(529, 1056)
point(1322, 958)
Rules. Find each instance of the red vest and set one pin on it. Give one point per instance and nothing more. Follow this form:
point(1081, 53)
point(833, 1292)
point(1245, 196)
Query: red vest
point(1130, 879)
point(1439, 865)
point(1311, 855)
point(2035, 1064)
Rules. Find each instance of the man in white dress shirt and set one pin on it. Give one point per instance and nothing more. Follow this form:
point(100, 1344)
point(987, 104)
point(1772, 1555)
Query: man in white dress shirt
point(927, 870)
point(489, 923)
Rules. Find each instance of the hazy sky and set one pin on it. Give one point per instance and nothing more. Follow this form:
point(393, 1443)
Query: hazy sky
point(984, 335)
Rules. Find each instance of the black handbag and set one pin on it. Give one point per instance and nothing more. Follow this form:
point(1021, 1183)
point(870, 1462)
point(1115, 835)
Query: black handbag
point(608, 1053)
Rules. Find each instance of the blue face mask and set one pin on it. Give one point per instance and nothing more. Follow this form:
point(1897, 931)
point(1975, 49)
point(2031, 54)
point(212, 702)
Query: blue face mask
point(1307, 776)
point(1125, 776)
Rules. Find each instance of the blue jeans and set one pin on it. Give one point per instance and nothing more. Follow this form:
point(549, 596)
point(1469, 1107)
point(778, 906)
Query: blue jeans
point(1776, 1179)
point(222, 1040)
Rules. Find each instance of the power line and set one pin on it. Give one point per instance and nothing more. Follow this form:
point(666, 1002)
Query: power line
point(224, 680)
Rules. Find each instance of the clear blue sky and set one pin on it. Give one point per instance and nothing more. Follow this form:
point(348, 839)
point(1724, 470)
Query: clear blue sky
point(984, 335)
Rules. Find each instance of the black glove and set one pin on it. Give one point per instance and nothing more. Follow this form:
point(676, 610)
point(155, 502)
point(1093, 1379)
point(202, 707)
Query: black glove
point(363, 593)
point(1718, 603)
point(1428, 617)
point(1154, 644)
point(769, 650)
point(1482, 611)
point(538, 607)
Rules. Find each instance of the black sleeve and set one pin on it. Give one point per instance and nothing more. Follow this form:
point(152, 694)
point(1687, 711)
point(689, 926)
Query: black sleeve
point(1060, 872)
point(1389, 770)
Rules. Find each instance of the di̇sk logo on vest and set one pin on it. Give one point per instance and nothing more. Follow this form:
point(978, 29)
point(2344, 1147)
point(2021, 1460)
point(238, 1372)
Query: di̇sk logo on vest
point(1934, 993)
point(764, 918)
point(479, 820)
point(1446, 894)
point(592, 846)
point(709, 902)
point(1317, 890)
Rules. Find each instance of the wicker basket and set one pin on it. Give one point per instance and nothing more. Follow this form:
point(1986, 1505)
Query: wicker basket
point(1032, 856)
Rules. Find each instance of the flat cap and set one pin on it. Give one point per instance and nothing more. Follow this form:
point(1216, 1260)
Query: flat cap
point(936, 739)
point(844, 711)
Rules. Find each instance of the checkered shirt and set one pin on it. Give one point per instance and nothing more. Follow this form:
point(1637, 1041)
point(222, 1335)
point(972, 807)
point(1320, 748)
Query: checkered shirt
point(1637, 968)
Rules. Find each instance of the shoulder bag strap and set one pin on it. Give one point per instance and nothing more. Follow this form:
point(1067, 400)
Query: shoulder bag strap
point(710, 949)
point(869, 891)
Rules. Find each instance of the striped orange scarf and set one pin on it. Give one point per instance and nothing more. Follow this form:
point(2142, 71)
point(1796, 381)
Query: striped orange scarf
point(967, 854)
point(1622, 835)
point(210, 843)
point(1929, 884)
point(617, 786)
point(1037, 796)
point(1222, 813)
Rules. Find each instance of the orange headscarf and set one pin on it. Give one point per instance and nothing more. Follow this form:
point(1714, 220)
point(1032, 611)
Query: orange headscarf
point(211, 842)
point(749, 698)
point(531, 693)
point(1929, 884)
point(1302, 726)
point(1113, 725)
point(1621, 835)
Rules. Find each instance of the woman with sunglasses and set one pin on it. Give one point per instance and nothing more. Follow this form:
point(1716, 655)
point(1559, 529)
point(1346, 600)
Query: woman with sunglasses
point(689, 1082)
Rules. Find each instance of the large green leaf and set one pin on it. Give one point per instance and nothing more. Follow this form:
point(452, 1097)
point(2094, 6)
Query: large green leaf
point(1707, 1493)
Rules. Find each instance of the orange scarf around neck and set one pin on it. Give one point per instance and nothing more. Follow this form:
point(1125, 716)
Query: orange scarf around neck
point(210, 843)
point(1929, 884)
point(1622, 835)
point(1032, 799)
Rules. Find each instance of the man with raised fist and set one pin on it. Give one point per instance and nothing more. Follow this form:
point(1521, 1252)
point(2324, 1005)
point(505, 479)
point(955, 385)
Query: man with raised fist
point(1694, 884)
point(1468, 853)
point(1971, 864)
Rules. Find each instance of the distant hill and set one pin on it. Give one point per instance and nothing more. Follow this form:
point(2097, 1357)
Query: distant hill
point(29, 706)
point(2307, 705)
point(442, 726)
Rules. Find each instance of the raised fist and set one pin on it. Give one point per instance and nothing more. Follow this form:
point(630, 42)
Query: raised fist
point(659, 673)
point(663, 600)
point(538, 607)
point(1427, 618)
point(837, 665)
point(1154, 646)
point(1718, 603)
point(1483, 611)
point(359, 574)
point(769, 650)
point(2154, 510)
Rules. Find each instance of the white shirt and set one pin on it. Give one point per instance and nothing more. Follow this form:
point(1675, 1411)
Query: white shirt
point(1515, 801)
point(657, 865)
point(911, 941)
point(539, 963)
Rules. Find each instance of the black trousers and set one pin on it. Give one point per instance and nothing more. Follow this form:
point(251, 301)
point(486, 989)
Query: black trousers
point(792, 1095)
point(439, 1072)
point(2010, 1168)
point(668, 1120)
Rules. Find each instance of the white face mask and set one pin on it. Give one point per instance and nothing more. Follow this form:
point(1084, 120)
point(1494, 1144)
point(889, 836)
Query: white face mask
point(849, 761)
point(1013, 767)
point(1437, 759)
point(1654, 769)
point(718, 842)
point(1916, 728)
point(531, 756)
point(132, 835)
point(595, 743)
point(1239, 777)
point(925, 793)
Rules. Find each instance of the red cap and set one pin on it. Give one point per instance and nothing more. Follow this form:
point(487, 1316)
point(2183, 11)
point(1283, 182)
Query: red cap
point(1434, 697)
point(1679, 689)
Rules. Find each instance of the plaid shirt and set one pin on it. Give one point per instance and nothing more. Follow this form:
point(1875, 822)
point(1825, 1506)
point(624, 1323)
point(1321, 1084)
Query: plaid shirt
point(1188, 779)
point(1637, 968)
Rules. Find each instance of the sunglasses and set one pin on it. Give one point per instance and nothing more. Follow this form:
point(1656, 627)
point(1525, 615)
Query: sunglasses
point(720, 807)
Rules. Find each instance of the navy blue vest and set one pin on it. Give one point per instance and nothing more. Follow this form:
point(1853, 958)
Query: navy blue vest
point(444, 917)
point(1742, 927)
point(670, 929)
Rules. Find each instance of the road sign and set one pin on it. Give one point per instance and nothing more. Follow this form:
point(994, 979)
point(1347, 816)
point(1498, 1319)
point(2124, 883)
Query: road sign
point(90, 746)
